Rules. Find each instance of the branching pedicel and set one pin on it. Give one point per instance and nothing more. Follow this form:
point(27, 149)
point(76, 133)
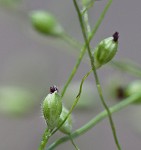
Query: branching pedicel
point(55, 113)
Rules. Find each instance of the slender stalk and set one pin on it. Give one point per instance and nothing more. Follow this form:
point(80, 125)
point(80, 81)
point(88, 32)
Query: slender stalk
point(101, 116)
point(73, 142)
point(74, 103)
point(86, 18)
point(71, 41)
point(88, 6)
point(83, 50)
point(128, 67)
point(72, 108)
point(45, 139)
point(96, 76)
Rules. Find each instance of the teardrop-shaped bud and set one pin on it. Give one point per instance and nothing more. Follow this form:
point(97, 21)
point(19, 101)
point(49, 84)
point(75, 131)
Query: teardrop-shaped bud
point(133, 88)
point(67, 126)
point(52, 108)
point(106, 50)
point(45, 23)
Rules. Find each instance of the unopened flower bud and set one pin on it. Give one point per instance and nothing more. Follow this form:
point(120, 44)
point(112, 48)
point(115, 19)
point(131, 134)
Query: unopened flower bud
point(52, 108)
point(106, 50)
point(85, 2)
point(133, 88)
point(45, 23)
point(67, 126)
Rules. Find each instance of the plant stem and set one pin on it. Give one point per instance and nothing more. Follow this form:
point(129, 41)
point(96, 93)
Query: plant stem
point(83, 50)
point(45, 139)
point(86, 18)
point(128, 67)
point(71, 41)
point(95, 74)
point(74, 103)
point(72, 108)
point(73, 142)
point(101, 116)
point(88, 6)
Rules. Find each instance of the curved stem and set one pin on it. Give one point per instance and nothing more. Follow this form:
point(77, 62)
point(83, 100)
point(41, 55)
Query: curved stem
point(101, 116)
point(83, 50)
point(72, 108)
point(74, 103)
point(45, 139)
point(95, 74)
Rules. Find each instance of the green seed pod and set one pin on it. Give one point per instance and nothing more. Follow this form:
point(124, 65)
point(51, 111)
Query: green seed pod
point(52, 108)
point(133, 88)
point(45, 23)
point(85, 2)
point(67, 126)
point(106, 50)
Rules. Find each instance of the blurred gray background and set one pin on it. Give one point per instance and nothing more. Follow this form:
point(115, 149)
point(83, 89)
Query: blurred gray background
point(36, 62)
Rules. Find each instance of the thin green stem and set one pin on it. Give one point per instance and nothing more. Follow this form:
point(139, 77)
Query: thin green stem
point(71, 41)
point(73, 142)
point(95, 74)
point(83, 50)
point(88, 28)
point(45, 139)
point(88, 6)
point(101, 116)
point(86, 18)
point(74, 103)
point(72, 108)
point(100, 20)
point(129, 67)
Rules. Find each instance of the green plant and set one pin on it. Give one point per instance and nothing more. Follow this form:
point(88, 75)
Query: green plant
point(102, 54)
point(56, 115)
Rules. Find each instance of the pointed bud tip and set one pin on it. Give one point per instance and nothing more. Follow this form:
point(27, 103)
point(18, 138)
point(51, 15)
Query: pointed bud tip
point(53, 89)
point(115, 36)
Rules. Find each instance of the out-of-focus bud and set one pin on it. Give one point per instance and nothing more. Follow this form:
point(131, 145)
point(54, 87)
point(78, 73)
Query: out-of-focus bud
point(45, 23)
point(133, 88)
point(85, 2)
point(106, 50)
point(67, 126)
point(52, 108)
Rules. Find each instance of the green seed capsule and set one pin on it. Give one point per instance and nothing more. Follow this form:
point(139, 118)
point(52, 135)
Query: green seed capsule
point(85, 2)
point(133, 88)
point(67, 126)
point(52, 108)
point(106, 50)
point(46, 23)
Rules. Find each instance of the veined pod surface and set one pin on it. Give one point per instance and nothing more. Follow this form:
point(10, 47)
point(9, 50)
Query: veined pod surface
point(106, 50)
point(67, 126)
point(52, 108)
point(45, 23)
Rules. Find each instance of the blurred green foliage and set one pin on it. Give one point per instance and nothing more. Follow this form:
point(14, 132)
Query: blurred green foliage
point(9, 2)
point(16, 101)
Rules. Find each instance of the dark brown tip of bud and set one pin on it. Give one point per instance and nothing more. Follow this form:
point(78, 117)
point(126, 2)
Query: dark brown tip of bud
point(120, 93)
point(53, 89)
point(115, 36)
